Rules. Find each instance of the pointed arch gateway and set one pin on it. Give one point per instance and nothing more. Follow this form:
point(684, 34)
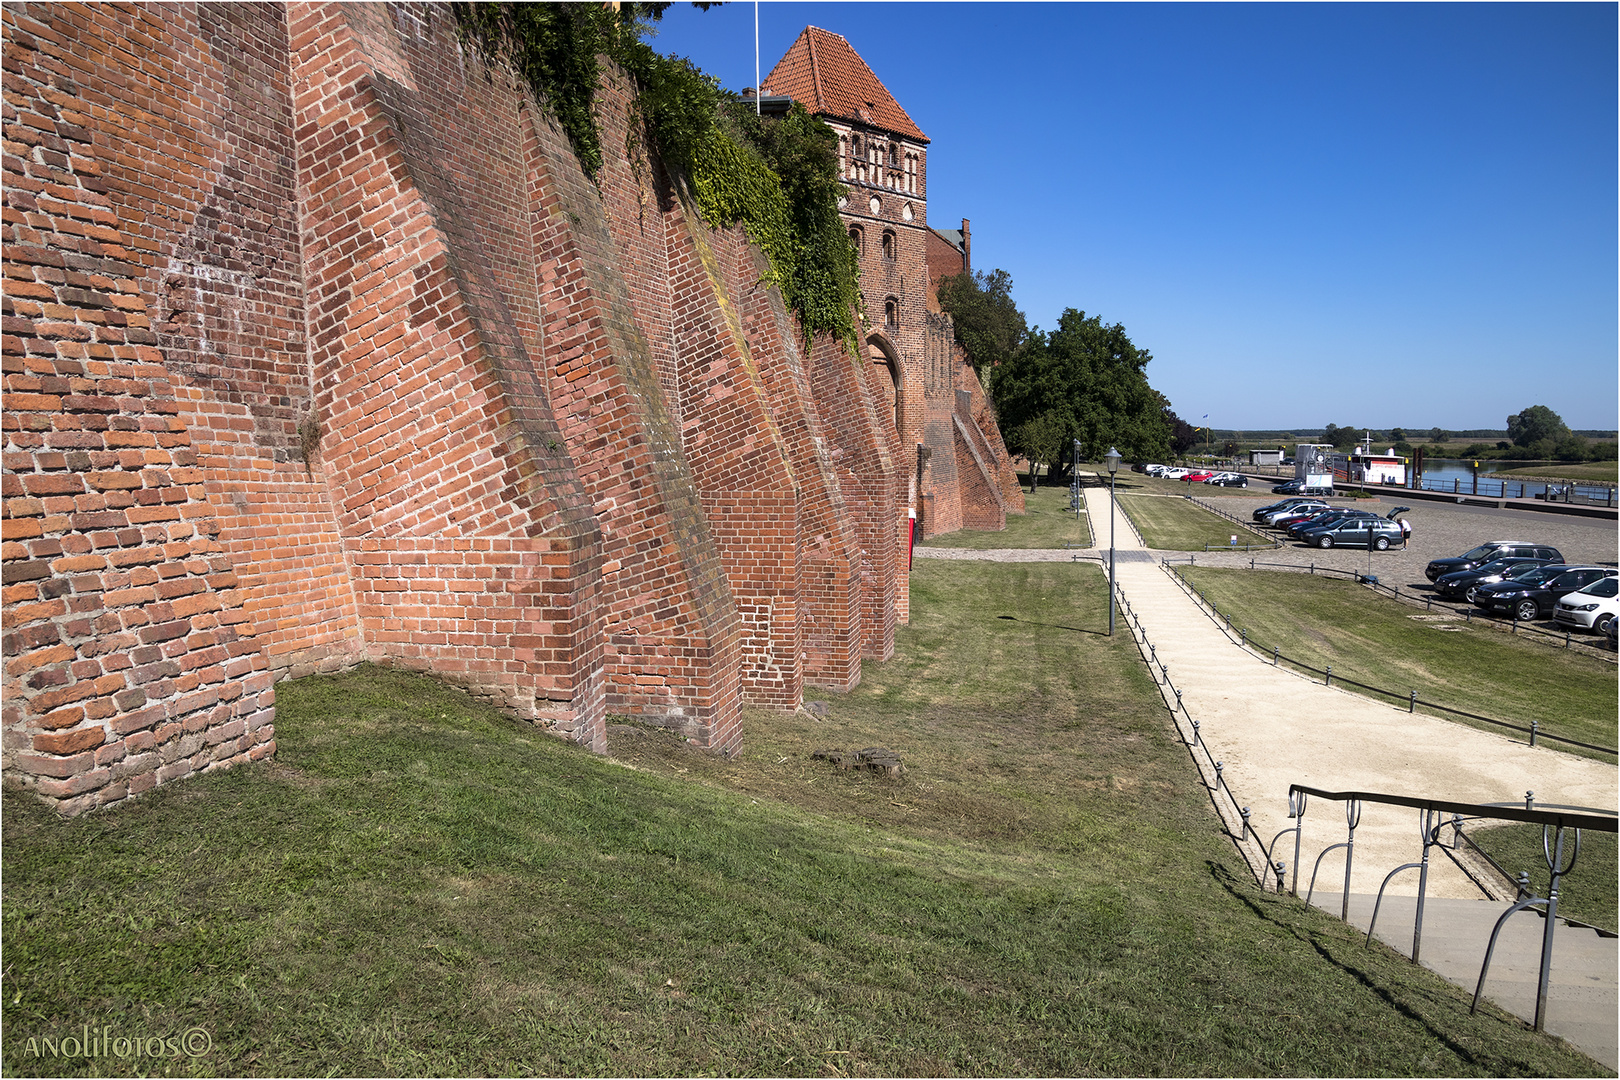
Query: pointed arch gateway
point(882, 354)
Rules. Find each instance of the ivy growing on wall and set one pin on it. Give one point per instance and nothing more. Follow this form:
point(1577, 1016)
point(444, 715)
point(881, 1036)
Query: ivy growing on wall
point(777, 178)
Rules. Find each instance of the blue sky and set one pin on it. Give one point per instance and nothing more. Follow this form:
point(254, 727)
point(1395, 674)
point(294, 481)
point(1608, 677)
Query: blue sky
point(1359, 214)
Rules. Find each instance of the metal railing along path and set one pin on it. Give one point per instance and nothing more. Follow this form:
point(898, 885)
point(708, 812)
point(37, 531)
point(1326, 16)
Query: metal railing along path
point(1248, 527)
point(1555, 820)
point(1223, 622)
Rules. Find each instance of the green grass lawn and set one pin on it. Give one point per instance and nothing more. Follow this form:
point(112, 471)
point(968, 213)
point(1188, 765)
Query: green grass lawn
point(1600, 472)
point(420, 885)
point(1587, 893)
point(1379, 641)
point(1047, 522)
point(1174, 524)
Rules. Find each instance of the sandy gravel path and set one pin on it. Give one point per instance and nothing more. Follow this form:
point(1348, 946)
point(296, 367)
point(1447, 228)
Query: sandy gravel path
point(1271, 727)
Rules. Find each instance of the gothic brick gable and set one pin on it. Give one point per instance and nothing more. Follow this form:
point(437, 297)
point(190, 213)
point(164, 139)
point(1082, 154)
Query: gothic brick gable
point(824, 71)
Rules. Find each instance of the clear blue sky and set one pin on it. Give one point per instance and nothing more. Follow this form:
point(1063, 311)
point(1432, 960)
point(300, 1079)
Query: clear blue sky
point(1359, 214)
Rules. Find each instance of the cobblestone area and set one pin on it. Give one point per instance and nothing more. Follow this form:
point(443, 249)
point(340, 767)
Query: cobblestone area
point(1439, 530)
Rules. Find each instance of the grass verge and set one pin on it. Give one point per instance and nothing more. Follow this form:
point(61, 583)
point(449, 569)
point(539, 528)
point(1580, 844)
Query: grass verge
point(1587, 893)
point(1375, 640)
point(1600, 472)
point(1047, 522)
point(420, 885)
point(1174, 524)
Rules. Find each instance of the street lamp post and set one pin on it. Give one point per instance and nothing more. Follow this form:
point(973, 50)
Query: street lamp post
point(1112, 458)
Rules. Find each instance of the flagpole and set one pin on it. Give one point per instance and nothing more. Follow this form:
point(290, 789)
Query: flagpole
point(758, 93)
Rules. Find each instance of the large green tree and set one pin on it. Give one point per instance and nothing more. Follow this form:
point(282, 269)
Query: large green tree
point(989, 326)
point(1087, 380)
point(1535, 424)
point(1183, 436)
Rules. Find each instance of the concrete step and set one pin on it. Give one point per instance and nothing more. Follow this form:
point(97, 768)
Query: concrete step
point(1583, 995)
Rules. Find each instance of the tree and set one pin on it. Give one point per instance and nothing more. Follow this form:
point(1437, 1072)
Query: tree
point(1438, 435)
point(1042, 441)
point(1183, 436)
point(1534, 425)
point(1398, 434)
point(989, 326)
point(1341, 438)
point(1089, 379)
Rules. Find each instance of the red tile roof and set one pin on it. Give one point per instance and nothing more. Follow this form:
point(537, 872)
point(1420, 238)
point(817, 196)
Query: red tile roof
point(826, 74)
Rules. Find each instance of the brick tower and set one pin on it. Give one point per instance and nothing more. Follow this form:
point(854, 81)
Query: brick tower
point(943, 427)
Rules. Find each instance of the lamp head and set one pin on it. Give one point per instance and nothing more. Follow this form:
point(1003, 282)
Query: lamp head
point(1112, 458)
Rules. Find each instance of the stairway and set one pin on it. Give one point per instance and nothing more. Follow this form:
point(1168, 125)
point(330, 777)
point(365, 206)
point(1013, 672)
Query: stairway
point(1583, 1000)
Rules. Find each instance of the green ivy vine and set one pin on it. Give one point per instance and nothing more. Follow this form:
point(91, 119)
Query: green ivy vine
point(776, 177)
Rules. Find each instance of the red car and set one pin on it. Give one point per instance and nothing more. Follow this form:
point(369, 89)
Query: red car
point(1195, 477)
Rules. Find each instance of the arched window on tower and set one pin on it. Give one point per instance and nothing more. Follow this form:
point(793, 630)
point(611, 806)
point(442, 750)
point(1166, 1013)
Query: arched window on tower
point(911, 173)
point(891, 313)
point(888, 244)
point(843, 157)
point(857, 239)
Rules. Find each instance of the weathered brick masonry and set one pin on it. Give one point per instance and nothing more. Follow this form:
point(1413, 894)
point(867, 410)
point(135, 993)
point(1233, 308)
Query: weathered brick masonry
point(319, 347)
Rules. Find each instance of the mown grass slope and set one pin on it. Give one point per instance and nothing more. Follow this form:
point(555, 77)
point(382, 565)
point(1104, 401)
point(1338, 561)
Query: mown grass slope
point(420, 885)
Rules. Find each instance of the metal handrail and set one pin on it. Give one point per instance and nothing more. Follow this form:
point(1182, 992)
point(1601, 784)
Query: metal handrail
point(1515, 625)
point(1410, 697)
point(1270, 544)
point(1550, 817)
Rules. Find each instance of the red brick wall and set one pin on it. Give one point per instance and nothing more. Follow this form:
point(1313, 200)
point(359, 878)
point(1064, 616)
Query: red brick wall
point(829, 555)
point(981, 416)
point(470, 540)
point(320, 347)
point(672, 635)
point(129, 659)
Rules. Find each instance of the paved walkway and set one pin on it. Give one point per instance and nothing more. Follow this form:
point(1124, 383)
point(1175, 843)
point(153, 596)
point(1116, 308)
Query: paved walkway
point(1271, 728)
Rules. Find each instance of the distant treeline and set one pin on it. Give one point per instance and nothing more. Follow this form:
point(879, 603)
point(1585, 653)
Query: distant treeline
point(1297, 435)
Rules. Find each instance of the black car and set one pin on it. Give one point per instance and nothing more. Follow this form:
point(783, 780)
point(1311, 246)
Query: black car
point(1525, 598)
point(1228, 481)
point(1496, 549)
point(1456, 584)
point(1297, 487)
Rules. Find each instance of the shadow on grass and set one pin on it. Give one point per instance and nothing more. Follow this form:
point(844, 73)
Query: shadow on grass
point(1315, 941)
point(1053, 626)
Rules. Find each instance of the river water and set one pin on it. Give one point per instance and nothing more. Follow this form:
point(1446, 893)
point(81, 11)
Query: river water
point(1458, 476)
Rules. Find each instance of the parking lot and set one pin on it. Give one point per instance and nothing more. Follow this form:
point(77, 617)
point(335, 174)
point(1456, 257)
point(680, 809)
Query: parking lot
point(1439, 530)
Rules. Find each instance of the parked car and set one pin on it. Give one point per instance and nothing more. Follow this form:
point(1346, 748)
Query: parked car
point(1456, 584)
point(1496, 549)
point(1297, 514)
point(1359, 532)
point(1592, 608)
point(1526, 600)
point(1194, 477)
point(1297, 509)
point(1327, 519)
point(1174, 473)
point(1154, 470)
point(1536, 575)
point(1228, 480)
point(1283, 504)
point(1298, 487)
